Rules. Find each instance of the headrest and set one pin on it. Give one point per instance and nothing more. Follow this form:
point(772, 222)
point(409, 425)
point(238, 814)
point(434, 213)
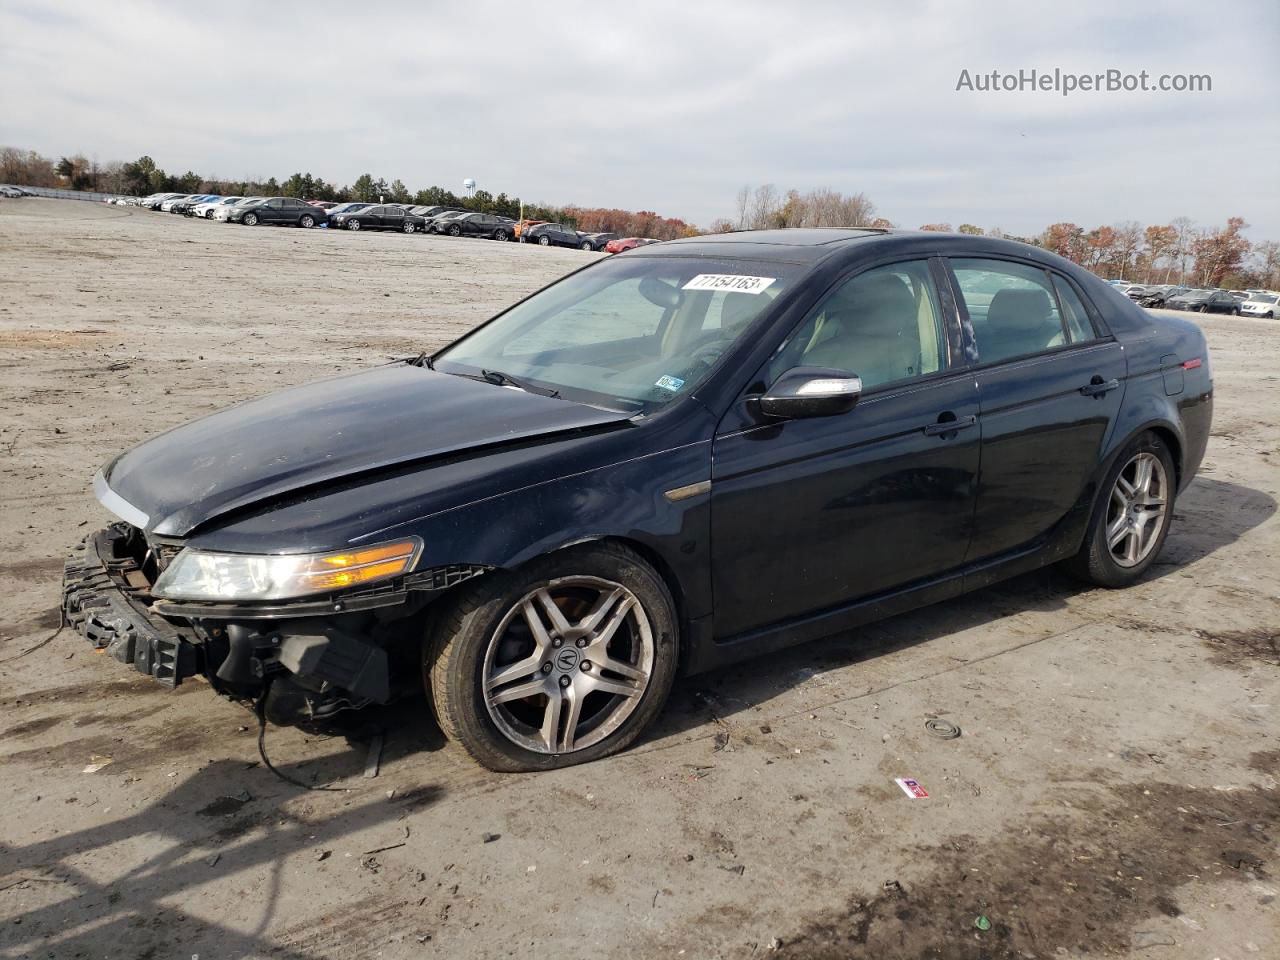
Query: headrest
point(1020, 310)
point(876, 305)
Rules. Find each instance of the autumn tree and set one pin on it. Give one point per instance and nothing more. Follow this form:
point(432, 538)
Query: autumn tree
point(1220, 252)
point(937, 227)
point(969, 228)
point(1066, 240)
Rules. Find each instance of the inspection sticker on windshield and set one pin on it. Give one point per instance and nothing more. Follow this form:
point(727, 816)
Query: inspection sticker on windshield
point(668, 382)
point(729, 281)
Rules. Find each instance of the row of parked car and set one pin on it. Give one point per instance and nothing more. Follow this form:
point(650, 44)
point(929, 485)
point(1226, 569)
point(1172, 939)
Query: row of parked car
point(1240, 303)
point(399, 217)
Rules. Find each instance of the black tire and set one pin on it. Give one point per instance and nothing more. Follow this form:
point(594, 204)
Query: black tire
point(307, 221)
point(544, 240)
point(455, 231)
point(454, 654)
point(500, 235)
point(1204, 308)
point(250, 220)
point(353, 224)
point(1235, 311)
point(586, 245)
point(408, 227)
point(1095, 563)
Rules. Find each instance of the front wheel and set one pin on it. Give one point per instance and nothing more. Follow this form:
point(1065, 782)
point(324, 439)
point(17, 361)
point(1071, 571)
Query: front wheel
point(250, 219)
point(455, 231)
point(1131, 517)
point(1204, 308)
point(586, 245)
point(563, 661)
point(353, 224)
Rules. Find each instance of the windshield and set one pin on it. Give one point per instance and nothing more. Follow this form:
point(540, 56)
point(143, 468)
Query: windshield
point(1264, 298)
point(625, 334)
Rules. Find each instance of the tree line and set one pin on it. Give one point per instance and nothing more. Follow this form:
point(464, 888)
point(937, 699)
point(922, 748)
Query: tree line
point(1177, 252)
point(143, 176)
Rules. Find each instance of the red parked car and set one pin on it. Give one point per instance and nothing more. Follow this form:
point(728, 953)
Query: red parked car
point(623, 244)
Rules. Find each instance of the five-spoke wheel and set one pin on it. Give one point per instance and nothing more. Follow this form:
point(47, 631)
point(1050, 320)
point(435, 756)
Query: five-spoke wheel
point(560, 662)
point(1131, 517)
point(1135, 515)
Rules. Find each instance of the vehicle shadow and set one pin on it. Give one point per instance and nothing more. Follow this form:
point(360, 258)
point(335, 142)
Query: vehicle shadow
point(1211, 514)
point(204, 829)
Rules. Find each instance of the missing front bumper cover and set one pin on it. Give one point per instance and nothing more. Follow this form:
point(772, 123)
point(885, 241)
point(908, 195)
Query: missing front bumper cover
point(100, 603)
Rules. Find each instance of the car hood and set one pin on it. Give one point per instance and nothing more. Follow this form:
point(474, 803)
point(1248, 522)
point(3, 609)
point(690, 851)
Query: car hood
point(315, 435)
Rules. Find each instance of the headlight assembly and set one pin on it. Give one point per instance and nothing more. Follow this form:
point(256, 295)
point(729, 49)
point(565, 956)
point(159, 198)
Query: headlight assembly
point(202, 575)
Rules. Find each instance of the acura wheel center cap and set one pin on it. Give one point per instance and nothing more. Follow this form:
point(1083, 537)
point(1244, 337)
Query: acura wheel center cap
point(567, 659)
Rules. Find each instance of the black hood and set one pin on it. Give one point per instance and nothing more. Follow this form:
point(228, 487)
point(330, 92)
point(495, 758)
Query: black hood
point(323, 432)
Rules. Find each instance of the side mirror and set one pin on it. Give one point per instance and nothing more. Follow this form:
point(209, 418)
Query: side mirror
point(811, 392)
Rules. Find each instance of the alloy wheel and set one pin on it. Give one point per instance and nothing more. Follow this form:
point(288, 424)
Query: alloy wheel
point(568, 664)
point(308, 221)
point(408, 226)
point(353, 224)
point(250, 219)
point(1136, 513)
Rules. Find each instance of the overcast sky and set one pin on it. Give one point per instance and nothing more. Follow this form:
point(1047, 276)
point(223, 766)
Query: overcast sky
point(673, 106)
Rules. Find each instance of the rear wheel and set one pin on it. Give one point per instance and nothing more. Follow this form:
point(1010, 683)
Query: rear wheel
point(544, 240)
point(1131, 518)
point(561, 662)
point(500, 235)
point(307, 221)
point(408, 227)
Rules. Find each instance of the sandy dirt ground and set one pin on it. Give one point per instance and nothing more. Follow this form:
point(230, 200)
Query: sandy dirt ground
point(1115, 791)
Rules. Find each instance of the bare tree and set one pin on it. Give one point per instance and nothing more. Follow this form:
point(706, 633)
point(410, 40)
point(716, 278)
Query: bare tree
point(764, 205)
point(744, 205)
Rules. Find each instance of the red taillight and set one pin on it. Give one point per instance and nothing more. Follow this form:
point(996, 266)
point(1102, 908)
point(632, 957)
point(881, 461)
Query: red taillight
point(1191, 364)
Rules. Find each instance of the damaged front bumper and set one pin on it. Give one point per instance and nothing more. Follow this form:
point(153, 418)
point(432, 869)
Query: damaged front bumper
point(300, 660)
point(103, 591)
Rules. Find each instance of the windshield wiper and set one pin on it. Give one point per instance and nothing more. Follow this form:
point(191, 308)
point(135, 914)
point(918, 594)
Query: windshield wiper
point(505, 379)
point(422, 360)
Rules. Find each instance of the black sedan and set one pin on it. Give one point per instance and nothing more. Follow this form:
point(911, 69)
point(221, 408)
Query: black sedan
point(477, 225)
point(706, 450)
point(553, 235)
point(284, 211)
point(387, 216)
point(1205, 301)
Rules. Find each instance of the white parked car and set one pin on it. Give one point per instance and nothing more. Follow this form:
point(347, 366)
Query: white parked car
point(206, 210)
point(1261, 305)
point(223, 211)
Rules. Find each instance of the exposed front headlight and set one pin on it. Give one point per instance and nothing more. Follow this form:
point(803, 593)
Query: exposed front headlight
point(201, 575)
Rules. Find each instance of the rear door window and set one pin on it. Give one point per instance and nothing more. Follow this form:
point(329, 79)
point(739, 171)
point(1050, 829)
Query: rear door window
point(1013, 308)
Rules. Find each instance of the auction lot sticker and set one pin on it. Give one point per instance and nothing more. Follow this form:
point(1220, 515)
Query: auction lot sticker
point(729, 281)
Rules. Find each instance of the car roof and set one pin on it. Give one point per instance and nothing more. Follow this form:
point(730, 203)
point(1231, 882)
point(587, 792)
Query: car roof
point(811, 245)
